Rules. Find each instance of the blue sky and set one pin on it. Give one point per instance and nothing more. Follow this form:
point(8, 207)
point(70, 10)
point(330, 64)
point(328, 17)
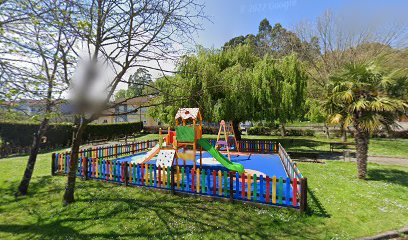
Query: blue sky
point(231, 18)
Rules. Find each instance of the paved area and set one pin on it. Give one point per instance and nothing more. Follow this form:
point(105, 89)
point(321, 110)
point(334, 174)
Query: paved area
point(389, 160)
point(373, 159)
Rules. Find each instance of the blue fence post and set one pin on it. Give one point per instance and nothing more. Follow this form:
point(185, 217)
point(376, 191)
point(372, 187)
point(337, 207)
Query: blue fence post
point(188, 179)
point(208, 182)
point(155, 176)
point(138, 174)
point(236, 185)
point(261, 191)
point(89, 160)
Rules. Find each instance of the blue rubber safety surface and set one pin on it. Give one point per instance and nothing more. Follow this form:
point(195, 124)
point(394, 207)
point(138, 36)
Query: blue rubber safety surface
point(268, 164)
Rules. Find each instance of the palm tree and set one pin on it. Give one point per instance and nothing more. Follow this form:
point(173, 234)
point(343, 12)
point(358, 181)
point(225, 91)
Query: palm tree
point(358, 96)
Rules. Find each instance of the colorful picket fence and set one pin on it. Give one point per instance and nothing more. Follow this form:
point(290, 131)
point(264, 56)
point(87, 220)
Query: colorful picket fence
point(252, 145)
point(93, 163)
point(291, 167)
point(204, 181)
point(106, 152)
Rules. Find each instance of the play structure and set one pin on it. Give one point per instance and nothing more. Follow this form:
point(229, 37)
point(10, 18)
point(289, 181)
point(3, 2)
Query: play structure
point(181, 160)
point(183, 143)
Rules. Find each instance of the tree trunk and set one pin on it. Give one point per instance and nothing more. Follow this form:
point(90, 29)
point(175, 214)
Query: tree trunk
point(25, 182)
point(283, 130)
point(362, 139)
point(327, 130)
point(73, 164)
point(235, 126)
point(343, 133)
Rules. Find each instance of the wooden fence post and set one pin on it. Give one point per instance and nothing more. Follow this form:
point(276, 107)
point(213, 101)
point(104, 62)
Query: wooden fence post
point(172, 179)
point(53, 164)
point(303, 195)
point(126, 174)
point(231, 187)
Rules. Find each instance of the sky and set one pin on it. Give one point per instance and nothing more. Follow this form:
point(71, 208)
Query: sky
point(231, 18)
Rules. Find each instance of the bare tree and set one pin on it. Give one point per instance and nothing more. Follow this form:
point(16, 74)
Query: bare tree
point(346, 39)
point(35, 60)
point(118, 36)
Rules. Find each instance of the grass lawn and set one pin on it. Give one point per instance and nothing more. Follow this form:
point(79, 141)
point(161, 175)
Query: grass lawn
point(378, 146)
point(342, 207)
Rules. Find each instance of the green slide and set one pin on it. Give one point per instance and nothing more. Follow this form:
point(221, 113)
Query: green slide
point(220, 158)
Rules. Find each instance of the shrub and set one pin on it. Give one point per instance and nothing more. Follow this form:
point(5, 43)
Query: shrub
point(210, 130)
point(153, 129)
point(258, 130)
point(110, 131)
point(300, 132)
point(20, 134)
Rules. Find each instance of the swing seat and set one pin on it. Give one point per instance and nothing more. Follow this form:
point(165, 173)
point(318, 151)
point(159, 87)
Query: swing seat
point(221, 142)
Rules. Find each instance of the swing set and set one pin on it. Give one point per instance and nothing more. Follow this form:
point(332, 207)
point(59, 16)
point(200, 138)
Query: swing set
point(227, 133)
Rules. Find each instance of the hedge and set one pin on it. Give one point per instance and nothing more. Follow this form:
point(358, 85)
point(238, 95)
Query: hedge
point(155, 129)
point(110, 131)
point(20, 134)
point(266, 131)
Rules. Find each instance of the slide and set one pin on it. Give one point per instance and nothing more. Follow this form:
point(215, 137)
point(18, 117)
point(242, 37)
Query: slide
point(219, 157)
point(149, 155)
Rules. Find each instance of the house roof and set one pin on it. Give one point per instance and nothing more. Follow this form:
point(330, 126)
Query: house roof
point(135, 101)
point(188, 113)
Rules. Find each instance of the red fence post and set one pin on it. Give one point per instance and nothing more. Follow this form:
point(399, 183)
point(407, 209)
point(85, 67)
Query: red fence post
point(294, 194)
point(303, 195)
point(268, 189)
point(243, 185)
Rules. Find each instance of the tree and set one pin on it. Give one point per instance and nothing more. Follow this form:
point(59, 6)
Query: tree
point(36, 56)
point(236, 41)
point(218, 82)
point(359, 96)
point(337, 39)
point(280, 88)
point(139, 84)
point(235, 84)
point(276, 41)
point(120, 36)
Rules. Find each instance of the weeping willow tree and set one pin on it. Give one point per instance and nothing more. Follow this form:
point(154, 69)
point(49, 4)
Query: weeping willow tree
point(234, 84)
point(218, 82)
point(279, 87)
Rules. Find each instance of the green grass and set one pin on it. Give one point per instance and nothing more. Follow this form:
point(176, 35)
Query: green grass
point(389, 147)
point(342, 207)
point(377, 147)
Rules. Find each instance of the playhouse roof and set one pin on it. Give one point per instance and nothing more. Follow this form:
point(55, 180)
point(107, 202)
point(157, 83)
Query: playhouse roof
point(188, 113)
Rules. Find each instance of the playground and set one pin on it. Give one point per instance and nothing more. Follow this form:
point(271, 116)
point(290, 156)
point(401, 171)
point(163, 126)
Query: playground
point(181, 160)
